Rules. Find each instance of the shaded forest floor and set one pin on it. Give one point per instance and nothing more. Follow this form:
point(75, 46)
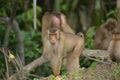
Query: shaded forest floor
point(100, 72)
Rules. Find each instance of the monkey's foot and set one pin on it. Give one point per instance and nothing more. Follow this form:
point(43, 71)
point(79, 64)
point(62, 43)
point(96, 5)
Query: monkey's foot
point(57, 78)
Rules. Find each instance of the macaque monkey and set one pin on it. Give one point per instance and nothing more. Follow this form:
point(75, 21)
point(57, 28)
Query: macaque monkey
point(64, 45)
point(53, 19)
point(114, 48)
point(103, 35)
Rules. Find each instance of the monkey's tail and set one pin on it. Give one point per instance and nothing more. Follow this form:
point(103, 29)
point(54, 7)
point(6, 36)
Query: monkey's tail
point(80, 34)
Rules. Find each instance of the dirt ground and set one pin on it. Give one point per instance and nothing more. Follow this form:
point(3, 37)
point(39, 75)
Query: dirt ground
point(100, 72)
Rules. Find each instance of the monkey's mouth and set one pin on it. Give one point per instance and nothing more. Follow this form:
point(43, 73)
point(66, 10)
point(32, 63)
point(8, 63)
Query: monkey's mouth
point(52, 42)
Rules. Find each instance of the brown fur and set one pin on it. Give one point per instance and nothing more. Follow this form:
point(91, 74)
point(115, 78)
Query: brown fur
point(114, 47)
point(103, 35)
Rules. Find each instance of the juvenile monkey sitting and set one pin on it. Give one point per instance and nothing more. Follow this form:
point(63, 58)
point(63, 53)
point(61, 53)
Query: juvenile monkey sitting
point(103, 35)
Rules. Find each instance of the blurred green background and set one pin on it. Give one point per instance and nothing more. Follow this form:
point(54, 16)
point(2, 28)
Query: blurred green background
point(82, 15)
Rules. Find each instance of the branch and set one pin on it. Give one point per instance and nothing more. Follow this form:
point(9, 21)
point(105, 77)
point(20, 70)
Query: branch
point(20, 42)
point(34, 8)
point(96, 54)
point(13, 13)
point(35, 63)
point(18, 37)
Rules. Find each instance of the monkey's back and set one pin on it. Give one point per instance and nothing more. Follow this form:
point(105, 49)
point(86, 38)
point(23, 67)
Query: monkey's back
point(72, 40)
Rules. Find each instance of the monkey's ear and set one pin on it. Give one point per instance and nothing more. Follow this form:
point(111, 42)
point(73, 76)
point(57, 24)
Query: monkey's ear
point(47, 34)
point(58, 34)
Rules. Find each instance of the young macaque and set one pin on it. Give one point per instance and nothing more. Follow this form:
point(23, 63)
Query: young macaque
point(114, 48)
point(103, 35)
point(64, 45)
point(53, 19)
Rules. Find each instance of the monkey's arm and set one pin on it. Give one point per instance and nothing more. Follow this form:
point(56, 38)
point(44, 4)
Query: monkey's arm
point(67, 28)
point(57, 57)
point(105, 42)
point(97, 41)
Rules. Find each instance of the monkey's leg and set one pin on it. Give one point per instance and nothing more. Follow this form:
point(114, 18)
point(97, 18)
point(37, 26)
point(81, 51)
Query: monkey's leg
point(56, 65)
point(72, 65)
point(73, 58)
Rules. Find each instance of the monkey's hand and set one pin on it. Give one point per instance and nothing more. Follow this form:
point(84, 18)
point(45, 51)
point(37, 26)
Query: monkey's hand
point(57, 78)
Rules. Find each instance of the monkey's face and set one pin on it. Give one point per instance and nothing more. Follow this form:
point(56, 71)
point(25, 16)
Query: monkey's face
point(53, 35)
point(52, 38)
point(111, 28)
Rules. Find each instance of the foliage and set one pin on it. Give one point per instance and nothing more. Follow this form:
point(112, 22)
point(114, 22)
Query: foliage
point(27, 18)
point(2, 33)
point(112, 13)
point(32, 39)
point(89, 37)
point(93, 65)
point(117, 73)
point(32, 44)
point(5, 7)
point(85, 62)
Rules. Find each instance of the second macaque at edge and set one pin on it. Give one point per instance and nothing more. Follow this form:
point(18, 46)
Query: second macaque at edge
point(63, 44)
point(114, 48)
